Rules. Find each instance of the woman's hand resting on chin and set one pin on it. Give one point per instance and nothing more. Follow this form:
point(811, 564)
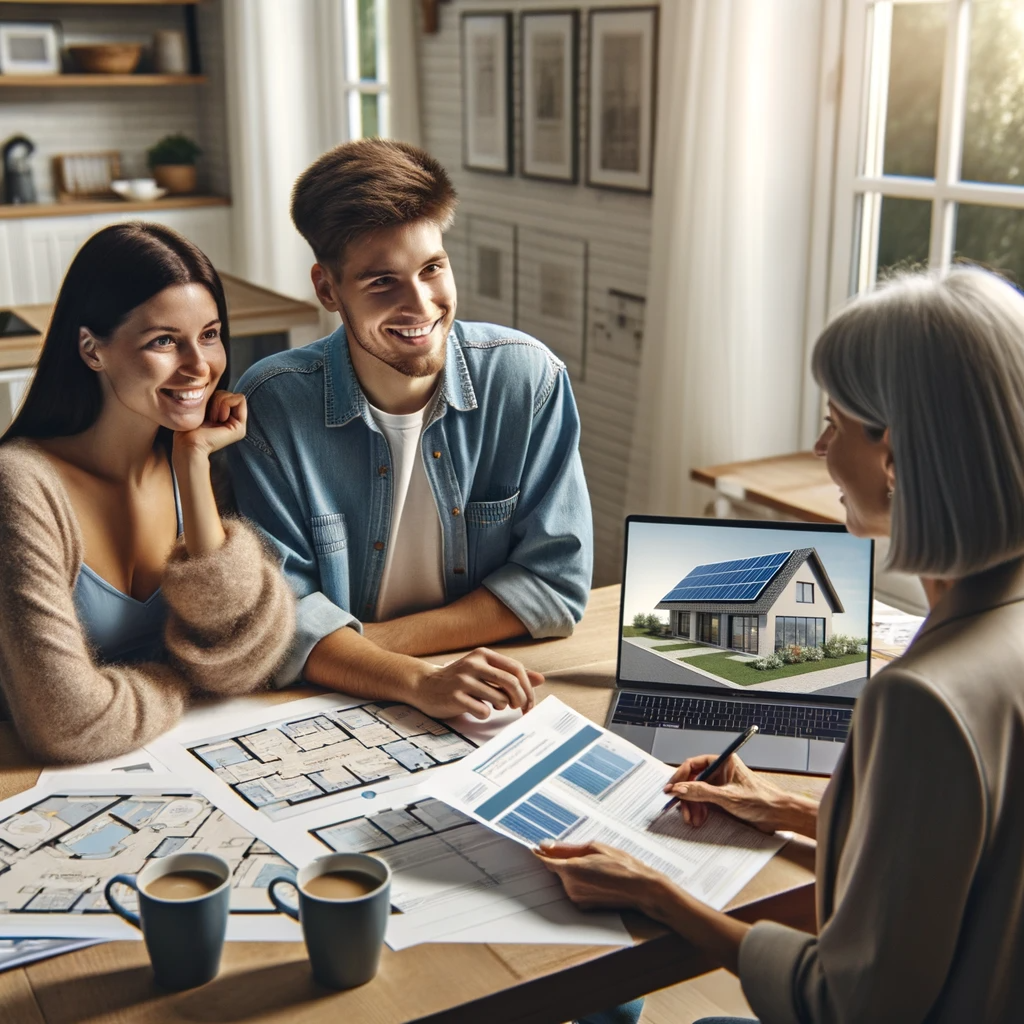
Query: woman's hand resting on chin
point(226, 416)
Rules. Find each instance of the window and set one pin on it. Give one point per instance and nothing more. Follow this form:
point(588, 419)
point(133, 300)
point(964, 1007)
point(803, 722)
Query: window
point(682, 624)
point(744, 633)
point(805, 593)
point(707, 628)
point(931, 140)
point(803, 632)
point(366, 90)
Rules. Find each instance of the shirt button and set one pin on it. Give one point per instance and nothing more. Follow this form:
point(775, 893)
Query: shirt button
point(459, 571)
point(455, 512)
point(378, 545)
point(383, 470)
point(437, 455)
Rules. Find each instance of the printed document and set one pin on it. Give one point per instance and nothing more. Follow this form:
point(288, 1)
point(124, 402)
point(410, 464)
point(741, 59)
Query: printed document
point(555, 775)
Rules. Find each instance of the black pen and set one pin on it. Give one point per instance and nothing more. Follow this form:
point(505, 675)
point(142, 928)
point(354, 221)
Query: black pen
point(718, 761)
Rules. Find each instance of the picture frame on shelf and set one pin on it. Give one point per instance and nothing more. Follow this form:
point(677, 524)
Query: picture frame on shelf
point(549, 85)
point(86, 175)
point(486, 60)
point(621, 83)
point(30, 48)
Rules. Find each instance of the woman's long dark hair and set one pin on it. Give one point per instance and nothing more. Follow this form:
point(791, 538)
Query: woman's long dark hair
point(117, 270)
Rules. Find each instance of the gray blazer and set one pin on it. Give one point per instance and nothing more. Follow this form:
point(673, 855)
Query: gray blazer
point(920, 861)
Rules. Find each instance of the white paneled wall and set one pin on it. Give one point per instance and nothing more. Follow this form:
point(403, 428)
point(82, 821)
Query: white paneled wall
point(126, 119)
point(615, 228)
point(35, 251)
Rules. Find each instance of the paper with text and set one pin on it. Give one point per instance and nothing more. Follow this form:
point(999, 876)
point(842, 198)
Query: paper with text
point(555, 775)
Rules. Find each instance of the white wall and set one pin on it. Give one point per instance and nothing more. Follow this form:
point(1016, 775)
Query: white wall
point(615, 226)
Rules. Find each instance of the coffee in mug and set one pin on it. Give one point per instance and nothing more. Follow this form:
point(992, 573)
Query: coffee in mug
point(344, 904)
point(183, 913)
point(183, 885)
point(341, 885)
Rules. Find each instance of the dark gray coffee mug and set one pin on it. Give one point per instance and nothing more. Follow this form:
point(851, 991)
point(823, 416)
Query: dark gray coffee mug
point(343, 937)
point(184, 938)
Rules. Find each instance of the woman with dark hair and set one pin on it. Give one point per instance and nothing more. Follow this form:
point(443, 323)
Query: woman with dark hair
point(920, 863)
point(123, 593)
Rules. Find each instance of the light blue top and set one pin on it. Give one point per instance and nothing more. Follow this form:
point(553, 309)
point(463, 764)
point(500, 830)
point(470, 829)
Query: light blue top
point(120, 628)
point(501, 452)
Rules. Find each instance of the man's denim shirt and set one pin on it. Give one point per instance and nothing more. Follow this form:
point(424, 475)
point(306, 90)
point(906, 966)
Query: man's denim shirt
point(501, 451)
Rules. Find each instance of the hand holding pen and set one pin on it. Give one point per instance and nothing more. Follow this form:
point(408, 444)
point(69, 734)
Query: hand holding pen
point(736, 789)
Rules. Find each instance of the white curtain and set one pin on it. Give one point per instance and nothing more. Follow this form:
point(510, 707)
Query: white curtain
point(722, 366)
point(286, 105)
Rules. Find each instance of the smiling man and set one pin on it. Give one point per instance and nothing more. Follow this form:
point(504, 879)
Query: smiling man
point(420, 476)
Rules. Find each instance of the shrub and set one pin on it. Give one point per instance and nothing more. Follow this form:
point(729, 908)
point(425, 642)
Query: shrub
point(639, 621)
point(834, 646)
point(173, 149)
point(654, 624)
point(769, 661)
point(814, 654)
point(793, 654)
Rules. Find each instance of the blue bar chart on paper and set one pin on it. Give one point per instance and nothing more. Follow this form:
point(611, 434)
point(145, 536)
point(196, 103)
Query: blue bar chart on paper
point(598, 770)
point(540, 818)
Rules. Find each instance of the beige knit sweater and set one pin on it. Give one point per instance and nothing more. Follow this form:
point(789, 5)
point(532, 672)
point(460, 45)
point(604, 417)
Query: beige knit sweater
point(230, 620)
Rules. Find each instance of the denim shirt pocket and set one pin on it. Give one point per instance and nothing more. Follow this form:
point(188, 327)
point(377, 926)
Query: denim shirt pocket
point(328, 533)
point(489, 529)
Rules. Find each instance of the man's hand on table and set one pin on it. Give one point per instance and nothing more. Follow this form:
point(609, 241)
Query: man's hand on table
point(475, 683)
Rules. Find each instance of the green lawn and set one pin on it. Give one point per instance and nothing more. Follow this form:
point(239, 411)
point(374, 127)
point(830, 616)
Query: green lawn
point(676, 647)
point(633, 631)
point(742, 673)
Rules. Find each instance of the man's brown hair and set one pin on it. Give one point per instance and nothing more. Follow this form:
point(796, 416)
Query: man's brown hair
point(367, 184)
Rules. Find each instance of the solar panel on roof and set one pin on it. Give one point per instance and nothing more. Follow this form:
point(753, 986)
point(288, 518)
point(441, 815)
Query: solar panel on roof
point(742, 579)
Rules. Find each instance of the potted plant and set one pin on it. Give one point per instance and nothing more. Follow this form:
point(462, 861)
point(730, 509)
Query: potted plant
point(173, 162)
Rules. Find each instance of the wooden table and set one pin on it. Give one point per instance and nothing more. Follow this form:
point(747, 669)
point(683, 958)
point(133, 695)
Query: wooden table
point(798, 486)
point(253, 310)
point(271, 982)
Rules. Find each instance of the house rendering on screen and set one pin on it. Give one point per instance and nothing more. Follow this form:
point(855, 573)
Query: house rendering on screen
point(755, 605)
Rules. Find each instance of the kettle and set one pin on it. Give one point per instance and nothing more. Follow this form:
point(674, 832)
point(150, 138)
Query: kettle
point(18, 184)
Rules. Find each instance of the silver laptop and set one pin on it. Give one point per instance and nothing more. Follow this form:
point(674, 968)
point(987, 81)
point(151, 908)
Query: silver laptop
point(728, 623)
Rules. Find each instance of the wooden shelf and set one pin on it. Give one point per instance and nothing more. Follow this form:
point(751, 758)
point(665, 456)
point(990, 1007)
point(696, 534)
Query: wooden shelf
point(76, 80)
point(20, 211)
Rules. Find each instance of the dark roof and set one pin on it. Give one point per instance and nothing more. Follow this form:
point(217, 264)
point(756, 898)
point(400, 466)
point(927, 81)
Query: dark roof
point(766, 597)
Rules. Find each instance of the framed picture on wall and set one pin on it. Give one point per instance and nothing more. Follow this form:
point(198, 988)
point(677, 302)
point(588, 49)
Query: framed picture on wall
point(621, 77)
point(487, 92)
point(549, 77)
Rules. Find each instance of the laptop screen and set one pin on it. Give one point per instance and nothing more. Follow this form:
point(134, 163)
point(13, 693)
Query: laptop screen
point(782, 609)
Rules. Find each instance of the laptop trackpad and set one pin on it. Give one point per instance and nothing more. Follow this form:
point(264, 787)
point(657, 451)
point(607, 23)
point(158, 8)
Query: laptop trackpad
point(824, 756)
point(777, 753)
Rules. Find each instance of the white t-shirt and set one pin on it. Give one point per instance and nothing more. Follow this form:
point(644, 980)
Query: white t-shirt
point(413, 579)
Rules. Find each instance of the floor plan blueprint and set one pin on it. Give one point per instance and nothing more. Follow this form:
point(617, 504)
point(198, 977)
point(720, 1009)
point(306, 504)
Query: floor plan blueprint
point(59, 847)
point(286, 766)
point(455, 880)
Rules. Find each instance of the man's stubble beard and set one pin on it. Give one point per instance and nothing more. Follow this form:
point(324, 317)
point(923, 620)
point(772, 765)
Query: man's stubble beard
point(412, 366)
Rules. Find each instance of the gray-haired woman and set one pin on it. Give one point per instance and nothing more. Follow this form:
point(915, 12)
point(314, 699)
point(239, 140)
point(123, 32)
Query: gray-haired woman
point(920, 862)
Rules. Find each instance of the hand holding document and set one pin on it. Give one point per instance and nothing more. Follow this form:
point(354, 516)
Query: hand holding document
point(555, 775)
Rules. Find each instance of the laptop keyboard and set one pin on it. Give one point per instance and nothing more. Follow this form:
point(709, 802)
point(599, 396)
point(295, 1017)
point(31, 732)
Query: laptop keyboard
point(733, 716)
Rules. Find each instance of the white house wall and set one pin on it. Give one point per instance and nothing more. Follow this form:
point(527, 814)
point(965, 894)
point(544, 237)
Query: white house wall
point(787, 604)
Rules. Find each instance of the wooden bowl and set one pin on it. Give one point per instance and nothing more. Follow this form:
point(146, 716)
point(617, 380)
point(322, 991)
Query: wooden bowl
point(107, 58)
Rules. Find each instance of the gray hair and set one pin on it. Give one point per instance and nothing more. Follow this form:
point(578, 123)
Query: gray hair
point(939, 360)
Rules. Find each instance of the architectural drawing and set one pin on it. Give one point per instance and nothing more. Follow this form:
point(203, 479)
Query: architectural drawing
point(58, 851)
point(296, 761)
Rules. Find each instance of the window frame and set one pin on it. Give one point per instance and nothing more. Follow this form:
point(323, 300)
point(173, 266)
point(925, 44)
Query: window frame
point(801, 591)
point(839, 219)
point(355, 88)
point(861, 184)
